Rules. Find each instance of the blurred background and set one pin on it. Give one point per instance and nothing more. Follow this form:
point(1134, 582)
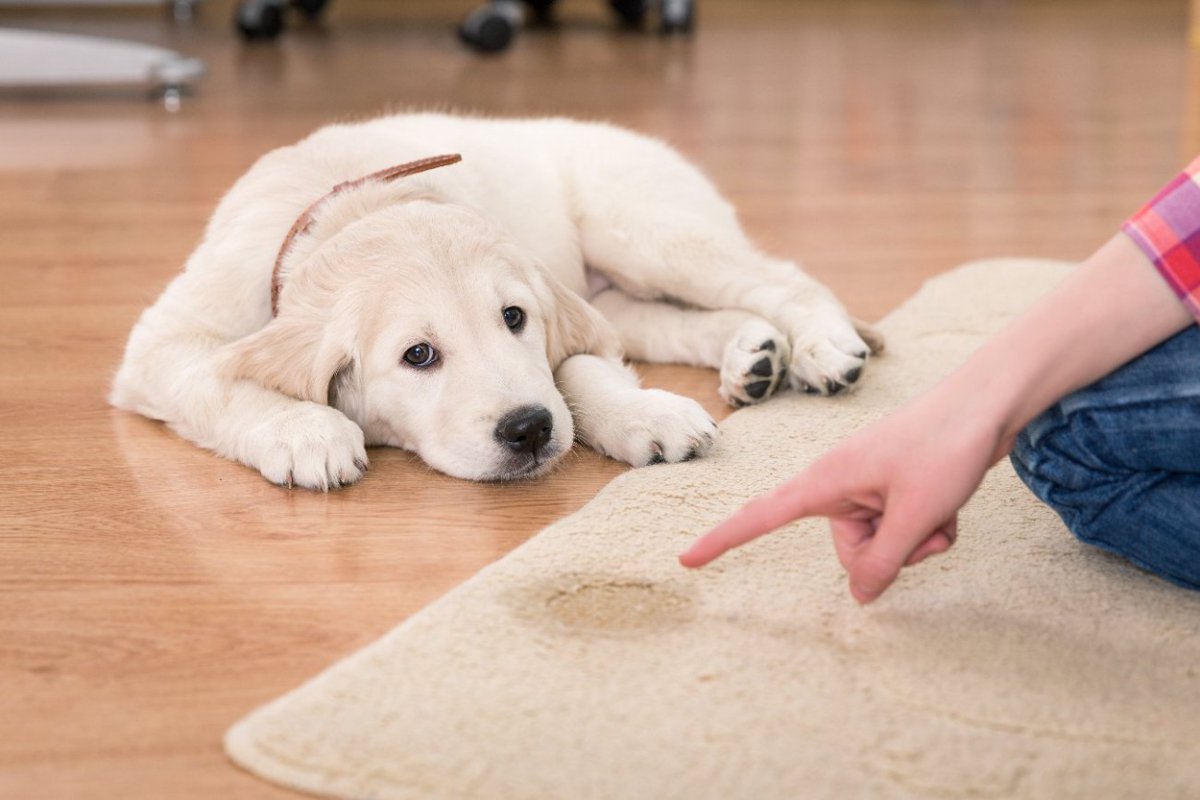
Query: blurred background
point(878, 140)
point(151, 594)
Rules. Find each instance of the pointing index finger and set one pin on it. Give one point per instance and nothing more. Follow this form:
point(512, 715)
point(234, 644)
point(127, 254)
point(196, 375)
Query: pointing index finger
point(761, 515)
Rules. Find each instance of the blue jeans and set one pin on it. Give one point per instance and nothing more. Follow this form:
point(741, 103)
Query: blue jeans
point(1120, 460)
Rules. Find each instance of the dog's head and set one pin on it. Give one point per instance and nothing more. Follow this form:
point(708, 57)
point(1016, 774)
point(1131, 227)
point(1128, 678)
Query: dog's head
point(424, 325)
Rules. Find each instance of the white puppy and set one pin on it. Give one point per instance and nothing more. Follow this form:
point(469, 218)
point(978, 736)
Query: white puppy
point(440, 307)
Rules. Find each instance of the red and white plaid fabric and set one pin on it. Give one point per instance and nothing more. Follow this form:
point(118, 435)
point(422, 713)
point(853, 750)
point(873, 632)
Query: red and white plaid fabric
point(1168, 231)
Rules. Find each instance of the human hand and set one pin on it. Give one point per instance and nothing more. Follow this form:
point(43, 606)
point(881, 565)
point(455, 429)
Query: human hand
point(891, 493)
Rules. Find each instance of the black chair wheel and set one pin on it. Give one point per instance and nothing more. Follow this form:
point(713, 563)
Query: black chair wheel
point(678, 16)
point(311, 9)
point(542, 11)
point(490, 29)
point(259, 21)
point(631, 12)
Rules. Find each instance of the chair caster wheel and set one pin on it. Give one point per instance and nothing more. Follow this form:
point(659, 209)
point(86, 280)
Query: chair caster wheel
point(631, 12)
point(677, 16)
point(259, 21)
point(541, 11)
point(491, 28)
point(311, 9)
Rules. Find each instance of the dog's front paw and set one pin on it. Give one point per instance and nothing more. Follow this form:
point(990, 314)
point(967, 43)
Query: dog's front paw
point(754, 363)
point(828, 355)
point(309, 445)
point(653, 427)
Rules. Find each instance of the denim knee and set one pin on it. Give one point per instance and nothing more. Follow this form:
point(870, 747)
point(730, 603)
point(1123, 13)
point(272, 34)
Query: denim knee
point(1073, 462)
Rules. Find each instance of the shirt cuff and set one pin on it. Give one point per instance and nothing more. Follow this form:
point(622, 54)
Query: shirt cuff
point(1167, 229)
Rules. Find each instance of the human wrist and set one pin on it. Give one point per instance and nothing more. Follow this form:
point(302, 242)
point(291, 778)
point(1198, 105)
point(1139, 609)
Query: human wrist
point(983, 401)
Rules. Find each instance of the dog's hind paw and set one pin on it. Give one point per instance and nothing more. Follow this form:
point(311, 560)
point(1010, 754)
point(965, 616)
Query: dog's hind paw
point(828, 355)
point(309, 445)
point(754, 363)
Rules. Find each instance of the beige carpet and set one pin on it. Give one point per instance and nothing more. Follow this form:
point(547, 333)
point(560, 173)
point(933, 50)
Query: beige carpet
point(588, 664)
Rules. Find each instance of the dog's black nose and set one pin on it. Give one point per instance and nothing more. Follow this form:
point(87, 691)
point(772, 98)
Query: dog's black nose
point(525, 430)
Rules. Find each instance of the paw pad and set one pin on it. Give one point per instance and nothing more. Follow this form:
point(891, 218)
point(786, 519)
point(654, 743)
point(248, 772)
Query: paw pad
point(754, 364)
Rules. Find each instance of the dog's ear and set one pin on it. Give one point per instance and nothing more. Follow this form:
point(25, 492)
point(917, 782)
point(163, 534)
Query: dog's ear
point(345, 391)
point(297, 357)
point(573, 326)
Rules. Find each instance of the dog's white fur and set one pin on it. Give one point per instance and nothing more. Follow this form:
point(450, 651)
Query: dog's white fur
point(539, 215)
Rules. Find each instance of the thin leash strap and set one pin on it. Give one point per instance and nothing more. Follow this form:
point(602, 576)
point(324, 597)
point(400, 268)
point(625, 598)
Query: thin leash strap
point(305, 220)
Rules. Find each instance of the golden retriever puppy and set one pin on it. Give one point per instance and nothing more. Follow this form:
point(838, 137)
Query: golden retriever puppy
point(352, 291)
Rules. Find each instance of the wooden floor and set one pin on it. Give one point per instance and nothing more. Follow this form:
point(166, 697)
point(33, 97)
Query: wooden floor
point(151, 594)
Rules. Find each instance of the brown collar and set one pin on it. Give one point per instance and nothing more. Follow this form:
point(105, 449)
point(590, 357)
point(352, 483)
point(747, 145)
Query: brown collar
point(305, 220)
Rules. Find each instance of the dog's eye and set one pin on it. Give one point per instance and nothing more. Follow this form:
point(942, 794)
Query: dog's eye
point(420, 355)
point(514, 318)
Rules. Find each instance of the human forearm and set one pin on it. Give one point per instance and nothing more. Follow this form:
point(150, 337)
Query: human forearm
point(1113, 308)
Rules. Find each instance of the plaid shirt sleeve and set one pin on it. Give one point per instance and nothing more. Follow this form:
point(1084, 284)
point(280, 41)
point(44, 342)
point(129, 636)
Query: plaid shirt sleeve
point(1167, 229)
